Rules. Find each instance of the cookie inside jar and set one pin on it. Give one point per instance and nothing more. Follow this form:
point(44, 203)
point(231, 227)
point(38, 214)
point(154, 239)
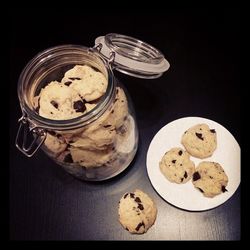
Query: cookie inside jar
point(81, 115)
point(91, 130)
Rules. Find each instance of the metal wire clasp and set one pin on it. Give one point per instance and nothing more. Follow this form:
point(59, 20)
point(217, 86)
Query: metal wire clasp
point(27, 127)
point(98, 48)
point(111, 57)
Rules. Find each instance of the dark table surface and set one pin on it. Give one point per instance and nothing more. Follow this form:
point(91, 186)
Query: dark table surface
point(203, 49)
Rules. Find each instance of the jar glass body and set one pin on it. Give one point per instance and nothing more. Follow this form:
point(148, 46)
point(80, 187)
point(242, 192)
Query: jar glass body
point(96, 145)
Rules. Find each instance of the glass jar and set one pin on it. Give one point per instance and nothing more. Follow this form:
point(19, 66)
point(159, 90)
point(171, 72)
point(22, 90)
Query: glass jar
point(102, 142)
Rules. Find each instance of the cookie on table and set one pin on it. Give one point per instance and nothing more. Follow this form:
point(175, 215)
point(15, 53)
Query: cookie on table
point(210, 179)
point(176, 165)
point(137, 212)
point(200, 141)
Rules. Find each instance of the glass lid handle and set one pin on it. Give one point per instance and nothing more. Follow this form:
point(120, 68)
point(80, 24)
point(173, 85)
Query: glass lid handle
point(132, 56)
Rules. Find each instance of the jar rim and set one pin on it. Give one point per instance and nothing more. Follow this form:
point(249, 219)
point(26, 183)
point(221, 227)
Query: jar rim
point(48, 54)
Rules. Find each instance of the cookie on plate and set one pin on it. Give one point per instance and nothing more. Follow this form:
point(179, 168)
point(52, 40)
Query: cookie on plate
point(210, 178)
point(200, 141)
point(137, 212)
point(176, 165)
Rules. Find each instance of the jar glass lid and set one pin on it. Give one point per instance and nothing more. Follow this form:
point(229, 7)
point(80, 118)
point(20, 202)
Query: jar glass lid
point(132, 56)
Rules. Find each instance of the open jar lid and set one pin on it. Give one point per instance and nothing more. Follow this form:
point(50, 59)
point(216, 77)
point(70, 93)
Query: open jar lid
point(132, 56)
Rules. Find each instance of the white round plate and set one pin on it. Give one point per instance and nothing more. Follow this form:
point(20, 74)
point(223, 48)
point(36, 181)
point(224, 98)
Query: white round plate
point(186, 196)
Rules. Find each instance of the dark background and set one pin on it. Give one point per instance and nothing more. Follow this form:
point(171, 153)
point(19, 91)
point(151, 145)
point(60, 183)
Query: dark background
point(203, 48)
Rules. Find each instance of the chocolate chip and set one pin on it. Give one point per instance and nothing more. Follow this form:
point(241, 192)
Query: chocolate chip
point(210, 177)
point(115, 99)
point(67, 83)
point(122, 130)
point(140, 206)
point(117, 91)
point(137, 199)
point(112, 111)
point(180, 152)
point(52, 133)
point(182, 179)
point(180, 164)
point(125, 195)
point(201, 190)
point(126, 228)
point(79, 106)
point(59, 136)
point(68, 158)
point(74, 78)
point(132, 195)
point(173, 161)
point(140, 225)
point(185, 132)
point(212, 131)
point(199, 136)
point(196, 176)
point(38, 106)
point(55, 104)
point(185, 175)
point(223, 189)
point(107, 126)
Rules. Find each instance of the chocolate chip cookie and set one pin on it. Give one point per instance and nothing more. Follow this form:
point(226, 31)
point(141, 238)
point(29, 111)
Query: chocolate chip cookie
point(176, 165)
point(59, 102)
point(200, 141)
point(87, 82)
point(210, 179)
point(137, 212)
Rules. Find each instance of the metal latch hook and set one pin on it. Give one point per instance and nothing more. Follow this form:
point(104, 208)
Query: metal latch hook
point(21, 141)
